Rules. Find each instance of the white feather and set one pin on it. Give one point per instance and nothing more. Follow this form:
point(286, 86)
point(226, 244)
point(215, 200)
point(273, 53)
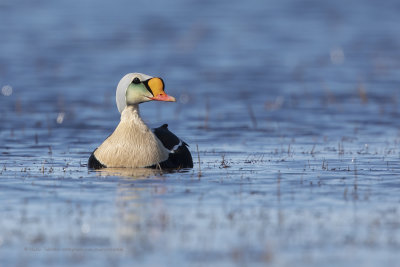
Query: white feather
point(176, 147)
point(132, 144)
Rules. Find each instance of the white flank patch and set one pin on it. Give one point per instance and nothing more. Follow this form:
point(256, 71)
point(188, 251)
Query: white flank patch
point(176, 146)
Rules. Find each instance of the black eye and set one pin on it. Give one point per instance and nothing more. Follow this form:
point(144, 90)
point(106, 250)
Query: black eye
point(136, 80)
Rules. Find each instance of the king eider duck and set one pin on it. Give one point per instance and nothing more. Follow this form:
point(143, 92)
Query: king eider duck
point(133, 144)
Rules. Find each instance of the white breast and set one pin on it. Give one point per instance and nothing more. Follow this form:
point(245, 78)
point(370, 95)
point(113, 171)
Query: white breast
point(132, 144)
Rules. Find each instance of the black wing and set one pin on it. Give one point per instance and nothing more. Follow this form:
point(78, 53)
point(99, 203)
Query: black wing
point(180, 156)
point(94, 163)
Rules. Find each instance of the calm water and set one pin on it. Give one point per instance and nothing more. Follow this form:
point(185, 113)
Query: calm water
point(294, 107)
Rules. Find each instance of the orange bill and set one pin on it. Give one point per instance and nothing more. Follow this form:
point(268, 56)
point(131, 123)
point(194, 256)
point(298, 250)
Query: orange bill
point(156, 86)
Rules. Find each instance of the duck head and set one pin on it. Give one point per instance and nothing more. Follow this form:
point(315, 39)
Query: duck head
point(136, 88)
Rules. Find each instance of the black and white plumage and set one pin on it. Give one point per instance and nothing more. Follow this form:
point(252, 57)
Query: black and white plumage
point(179, 156)
point(133, 144)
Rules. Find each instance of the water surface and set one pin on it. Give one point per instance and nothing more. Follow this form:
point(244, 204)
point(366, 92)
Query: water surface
point(294, 108)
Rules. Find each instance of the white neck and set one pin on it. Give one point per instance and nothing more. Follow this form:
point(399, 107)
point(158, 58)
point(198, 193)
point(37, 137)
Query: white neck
point(131, 114)
point(132, 144)
point(131, 108)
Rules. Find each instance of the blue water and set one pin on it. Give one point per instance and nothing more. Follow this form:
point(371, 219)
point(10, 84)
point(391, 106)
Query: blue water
point(293, 105)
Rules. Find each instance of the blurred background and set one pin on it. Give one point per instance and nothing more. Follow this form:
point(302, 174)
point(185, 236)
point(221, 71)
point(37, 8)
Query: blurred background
point(272, 92)
point(221, 55)
point(80, 50)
